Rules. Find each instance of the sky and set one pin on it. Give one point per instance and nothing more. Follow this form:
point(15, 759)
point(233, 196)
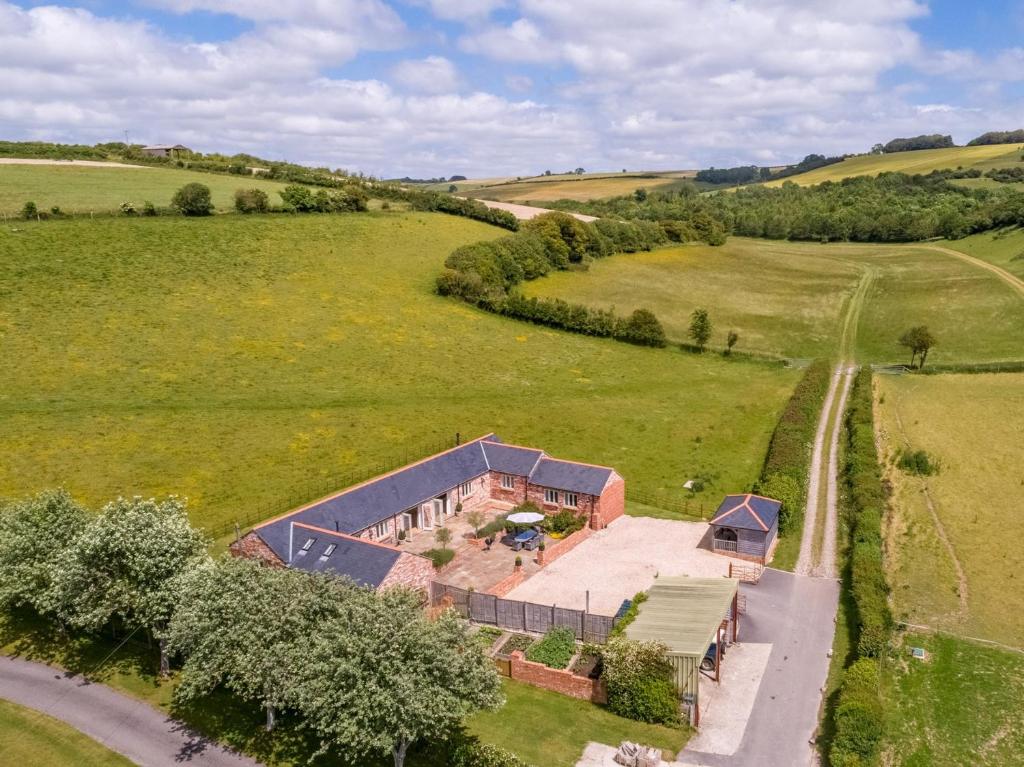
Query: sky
point(432, 88)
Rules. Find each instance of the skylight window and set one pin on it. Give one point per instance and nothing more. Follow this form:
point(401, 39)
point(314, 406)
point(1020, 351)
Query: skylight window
point(329, 550)
point(308, 544)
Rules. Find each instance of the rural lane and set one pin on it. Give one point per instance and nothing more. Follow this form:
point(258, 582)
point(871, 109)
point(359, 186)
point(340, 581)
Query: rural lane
point(130, 727)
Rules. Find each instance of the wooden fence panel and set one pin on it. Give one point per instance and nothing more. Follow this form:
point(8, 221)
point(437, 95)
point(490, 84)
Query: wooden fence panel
point(570, 619)
point(539, 618)
point(511, 614)
point(482, 608)
point(596, 628)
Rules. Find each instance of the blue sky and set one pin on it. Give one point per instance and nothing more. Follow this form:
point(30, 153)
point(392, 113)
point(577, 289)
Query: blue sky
point(494, 87)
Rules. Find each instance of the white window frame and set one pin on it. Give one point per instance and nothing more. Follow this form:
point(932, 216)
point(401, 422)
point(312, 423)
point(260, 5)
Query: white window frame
point(508, 482)
point(466, 489)
point(550, 496)
point(572, 500)
point(380, 529)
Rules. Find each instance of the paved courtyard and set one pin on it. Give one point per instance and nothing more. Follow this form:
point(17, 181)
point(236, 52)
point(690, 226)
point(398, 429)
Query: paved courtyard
point(617, 562)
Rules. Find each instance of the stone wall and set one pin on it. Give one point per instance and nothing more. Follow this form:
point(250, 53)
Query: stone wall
point(251, 546)
point(557, 680)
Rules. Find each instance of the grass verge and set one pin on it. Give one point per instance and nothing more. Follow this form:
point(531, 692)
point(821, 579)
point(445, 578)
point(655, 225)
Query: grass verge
point(28, 737)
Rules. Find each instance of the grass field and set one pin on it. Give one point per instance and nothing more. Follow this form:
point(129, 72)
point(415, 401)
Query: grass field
point(84, 189)
point(590, 187)
point(231, 359)
point(973, 581)
point(788, 298)
point(959, 707)
point(922, 161)
point(1004, 248)
point(28, 737)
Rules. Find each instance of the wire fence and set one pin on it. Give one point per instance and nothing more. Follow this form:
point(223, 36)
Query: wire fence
point(312, 488)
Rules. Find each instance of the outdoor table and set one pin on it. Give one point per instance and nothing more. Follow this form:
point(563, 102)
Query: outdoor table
point(523, 538)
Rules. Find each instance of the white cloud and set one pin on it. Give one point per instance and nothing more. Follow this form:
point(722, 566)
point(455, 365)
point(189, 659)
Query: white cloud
point(461, 10)
point(434, 74)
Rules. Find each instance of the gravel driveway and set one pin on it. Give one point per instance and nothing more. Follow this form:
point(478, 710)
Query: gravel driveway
point(617, 562)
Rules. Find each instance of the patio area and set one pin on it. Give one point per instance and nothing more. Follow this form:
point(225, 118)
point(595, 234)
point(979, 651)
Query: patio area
point(421, 540)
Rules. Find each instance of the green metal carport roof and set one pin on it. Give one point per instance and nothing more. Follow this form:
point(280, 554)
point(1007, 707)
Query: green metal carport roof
point(683, 613)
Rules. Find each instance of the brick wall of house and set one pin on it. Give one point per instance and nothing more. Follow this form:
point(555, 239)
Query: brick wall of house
point(515, 496)
point(584, 506)
point(411, 571)
point(481, 494)
point(612, 503)
point(558, 680)
point(251, 546)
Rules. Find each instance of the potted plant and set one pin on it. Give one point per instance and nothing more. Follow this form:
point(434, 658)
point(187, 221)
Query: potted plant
point(401, 536)
point(458, 508)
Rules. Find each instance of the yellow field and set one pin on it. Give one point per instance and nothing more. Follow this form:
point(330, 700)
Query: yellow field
point(574, 188)
point(952, 547)
point(921, 161)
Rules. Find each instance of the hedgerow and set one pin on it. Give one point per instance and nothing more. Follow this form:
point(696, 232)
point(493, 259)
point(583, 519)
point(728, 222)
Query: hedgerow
point(859, 720)
point(486, 274)
point(639, 681)
point(786, 465)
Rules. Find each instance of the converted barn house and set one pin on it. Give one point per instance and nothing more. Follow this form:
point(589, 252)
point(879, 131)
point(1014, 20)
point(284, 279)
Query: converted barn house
point(334, 532)
point(746, 526)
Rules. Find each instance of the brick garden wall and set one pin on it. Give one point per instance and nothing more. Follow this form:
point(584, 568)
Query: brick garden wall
point(557, 680)
point(554, 549)
point(506, 584)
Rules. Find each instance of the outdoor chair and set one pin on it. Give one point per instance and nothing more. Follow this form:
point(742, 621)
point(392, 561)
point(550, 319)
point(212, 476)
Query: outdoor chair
point(488, 542)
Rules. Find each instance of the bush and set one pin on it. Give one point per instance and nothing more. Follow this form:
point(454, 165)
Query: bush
point(565, 522)
point(630, 615)
point(440, 557)
point(251, 201)
point(127, 209)
point(148, 208)
point(193, 200)
point(918, 462)
point(639, 681)
point(859, 716)
point(494, 527)
point(483, 755)
point(299, 198)
point(642, 327)
point(29, 210)
point(555, 649)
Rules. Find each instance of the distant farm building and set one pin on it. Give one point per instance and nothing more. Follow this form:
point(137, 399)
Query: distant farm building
point(746, 526)
point(164, 150)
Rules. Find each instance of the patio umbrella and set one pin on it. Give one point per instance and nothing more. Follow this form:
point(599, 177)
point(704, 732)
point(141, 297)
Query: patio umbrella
point(525, 518)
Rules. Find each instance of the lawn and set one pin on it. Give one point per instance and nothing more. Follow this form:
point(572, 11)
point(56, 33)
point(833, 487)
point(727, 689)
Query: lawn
point(591, 186)
point(788, 298)
point(81, 189)
point(551, 730)
point(558, 727)
point(920, 161)
point(28, 737)
point(234, 359)
point(962, 706)
point(974, 426)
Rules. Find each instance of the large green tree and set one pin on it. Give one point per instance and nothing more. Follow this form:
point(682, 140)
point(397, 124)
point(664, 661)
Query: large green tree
point(239, 624)
point(700, 328)
point(126, 565)
point(34, 534)
point(379, 676)
point(920, 341)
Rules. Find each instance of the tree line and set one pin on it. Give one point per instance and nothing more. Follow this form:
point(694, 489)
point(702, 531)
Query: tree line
point(748, 174)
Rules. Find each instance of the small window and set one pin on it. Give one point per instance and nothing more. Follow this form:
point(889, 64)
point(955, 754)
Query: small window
point(550, 496)
point(330, 550)
point(467, 489)
point(508, 482)
point(572, 500)
point(307, 545)
point(380, 529)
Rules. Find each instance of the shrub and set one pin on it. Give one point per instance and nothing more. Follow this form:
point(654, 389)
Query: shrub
point(639, 681)
point(641, 327)
point(555, 649)
point(127, 209)
point(483, 755)
point(918, 462)
point(565, 522)
point(297, 197)
point(251, 201)
point(193, 200)
point(859, 716)
point(56, 211)
point(630, 615)
point(29, 210)
point(440, 557)
point(494, 527)
point(148, 208)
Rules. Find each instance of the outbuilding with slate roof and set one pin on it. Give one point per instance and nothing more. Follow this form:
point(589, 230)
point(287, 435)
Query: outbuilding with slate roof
point(746, 526)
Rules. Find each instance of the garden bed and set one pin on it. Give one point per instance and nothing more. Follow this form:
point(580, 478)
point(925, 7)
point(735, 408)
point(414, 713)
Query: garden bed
point(515, 642)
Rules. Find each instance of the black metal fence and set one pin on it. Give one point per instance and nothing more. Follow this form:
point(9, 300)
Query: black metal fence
point(311, 488)
point(514, 615)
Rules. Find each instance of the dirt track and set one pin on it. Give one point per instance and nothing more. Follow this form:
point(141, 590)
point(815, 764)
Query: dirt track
point(526, 212)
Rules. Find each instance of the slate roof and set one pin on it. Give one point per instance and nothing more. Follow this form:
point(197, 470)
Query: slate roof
point(566, 475)
point(365, 563)
point(747, 512)
point(511, 459)
point(351, 511)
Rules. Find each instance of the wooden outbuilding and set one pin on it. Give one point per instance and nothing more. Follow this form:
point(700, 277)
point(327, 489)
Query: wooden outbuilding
point(747, 527)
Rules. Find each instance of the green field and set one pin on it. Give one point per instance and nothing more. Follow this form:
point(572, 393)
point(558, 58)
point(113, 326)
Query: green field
point(789, 298)
point(587, 187)
point(959, 707)
point(974, 426)
point(81, 189)
point(921, 161)
point(28, 737)
point(1004, 248)
point(231, 359)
